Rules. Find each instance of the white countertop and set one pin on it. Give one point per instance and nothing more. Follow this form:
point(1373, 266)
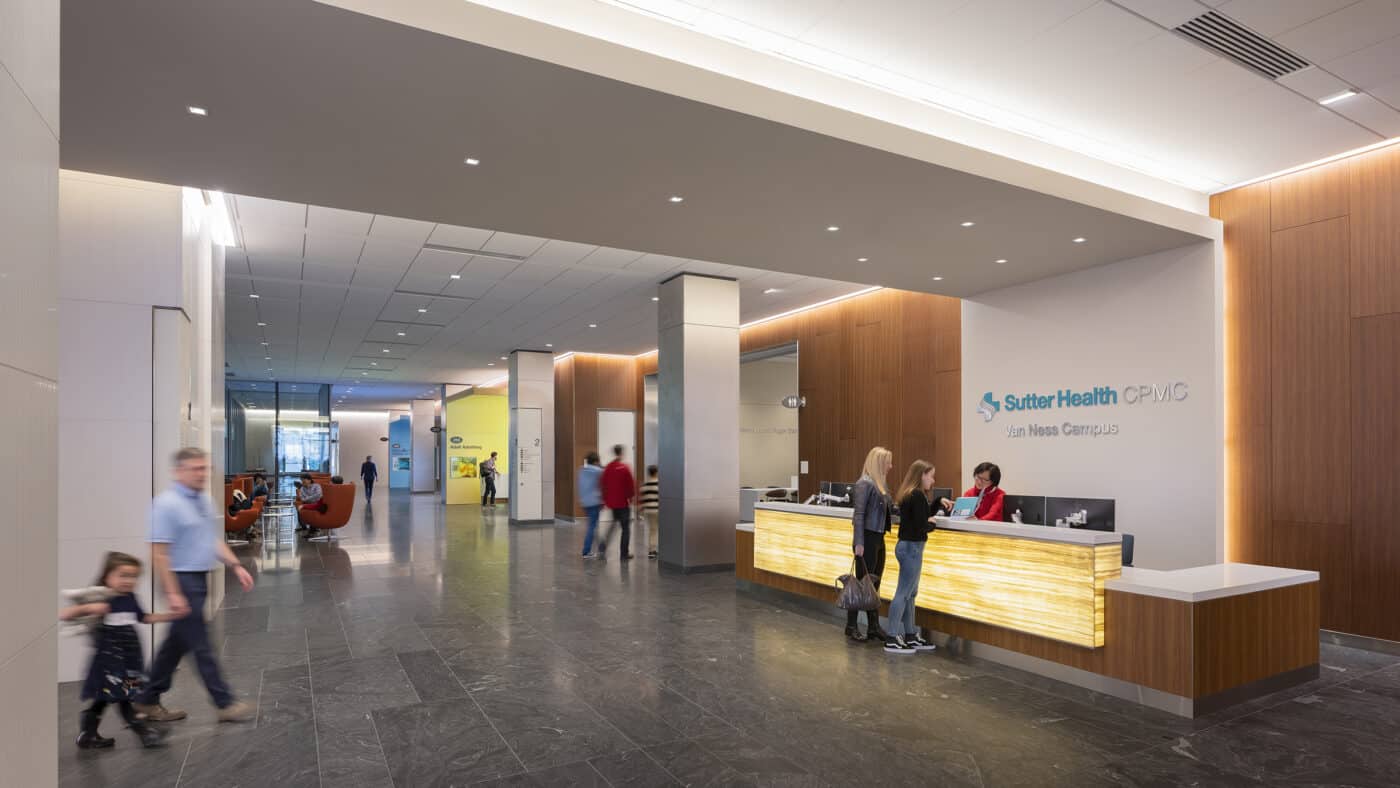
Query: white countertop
point(744, 527)
point(1201, 583)
point(1015, 530)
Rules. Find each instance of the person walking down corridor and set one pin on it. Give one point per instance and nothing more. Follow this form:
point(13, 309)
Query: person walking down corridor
point(590, 497)
point(488, 482)
point(650, 501)
point(369, 473)
point(619, 488)
point(185, 546)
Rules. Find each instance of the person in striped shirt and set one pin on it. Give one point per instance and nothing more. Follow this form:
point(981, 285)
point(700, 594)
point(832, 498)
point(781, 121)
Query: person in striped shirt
point(650, 502)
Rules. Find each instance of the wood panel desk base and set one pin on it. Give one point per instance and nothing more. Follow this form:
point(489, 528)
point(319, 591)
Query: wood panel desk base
point(1186, 658)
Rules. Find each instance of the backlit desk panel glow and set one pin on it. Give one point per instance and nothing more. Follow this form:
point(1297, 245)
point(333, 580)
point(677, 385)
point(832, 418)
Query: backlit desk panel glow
point(1057, 602)
point(1042, 581)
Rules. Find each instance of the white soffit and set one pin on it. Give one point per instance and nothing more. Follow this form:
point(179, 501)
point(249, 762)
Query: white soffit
point(615, 41)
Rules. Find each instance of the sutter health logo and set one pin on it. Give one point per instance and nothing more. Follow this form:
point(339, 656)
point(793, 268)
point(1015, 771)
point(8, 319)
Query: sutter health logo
point(1098, 396)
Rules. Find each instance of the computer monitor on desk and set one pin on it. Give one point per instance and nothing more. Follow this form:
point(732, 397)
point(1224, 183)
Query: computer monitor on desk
point(1092, 514)
point(836, 493)
point(937, 494)
point(1029, 508)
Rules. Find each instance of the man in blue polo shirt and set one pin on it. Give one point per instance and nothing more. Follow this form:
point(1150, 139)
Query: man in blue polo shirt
point(185, 546)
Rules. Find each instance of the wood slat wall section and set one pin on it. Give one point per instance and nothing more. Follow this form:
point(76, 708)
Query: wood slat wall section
point(1312, 273)
point(566, 459)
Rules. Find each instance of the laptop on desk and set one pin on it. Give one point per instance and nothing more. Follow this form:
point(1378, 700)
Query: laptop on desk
point(964, 508)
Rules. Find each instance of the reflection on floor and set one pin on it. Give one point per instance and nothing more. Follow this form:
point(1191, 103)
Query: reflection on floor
point(435, 646)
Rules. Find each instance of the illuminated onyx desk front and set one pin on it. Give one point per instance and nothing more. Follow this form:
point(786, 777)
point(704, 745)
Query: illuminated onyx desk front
point(1058, 602)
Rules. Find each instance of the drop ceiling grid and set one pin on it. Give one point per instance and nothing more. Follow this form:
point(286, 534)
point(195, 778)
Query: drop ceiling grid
point(331, 308)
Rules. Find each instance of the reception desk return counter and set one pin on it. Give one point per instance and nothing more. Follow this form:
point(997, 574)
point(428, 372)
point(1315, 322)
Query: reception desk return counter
point(1047, 582)
point(1056, 602)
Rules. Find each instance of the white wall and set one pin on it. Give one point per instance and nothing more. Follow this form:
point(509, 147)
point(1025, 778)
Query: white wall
point(425, 451)
point(768, 453)
point(360, 433)
point(1149, 320)
point(136, 371)
point(29, 125)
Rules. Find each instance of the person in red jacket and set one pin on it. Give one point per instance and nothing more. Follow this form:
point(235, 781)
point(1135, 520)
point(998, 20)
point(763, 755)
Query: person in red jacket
point(986, 487)
point(619, 488)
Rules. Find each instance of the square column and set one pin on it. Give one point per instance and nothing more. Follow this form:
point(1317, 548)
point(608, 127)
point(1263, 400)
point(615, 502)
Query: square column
point(531, 472)
point(698, 400)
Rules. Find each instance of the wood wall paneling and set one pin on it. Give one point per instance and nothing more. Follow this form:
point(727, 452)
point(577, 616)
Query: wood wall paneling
point(1310, 196)
point(1311, 347)
point(565, 458)
point(1248, 380)
point(1327, 550)
point(1375, 233)
point(1375, 482)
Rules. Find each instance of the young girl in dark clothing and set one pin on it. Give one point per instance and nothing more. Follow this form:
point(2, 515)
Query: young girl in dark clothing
point(117, 671)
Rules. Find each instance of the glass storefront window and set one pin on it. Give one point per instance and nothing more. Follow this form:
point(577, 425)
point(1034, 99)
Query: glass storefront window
point(281, 429)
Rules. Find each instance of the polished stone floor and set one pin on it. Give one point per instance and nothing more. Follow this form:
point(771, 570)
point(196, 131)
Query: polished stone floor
point(440, 647)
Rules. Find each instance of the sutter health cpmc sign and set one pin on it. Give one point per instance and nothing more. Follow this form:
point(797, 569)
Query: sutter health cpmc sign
point(1066, 412)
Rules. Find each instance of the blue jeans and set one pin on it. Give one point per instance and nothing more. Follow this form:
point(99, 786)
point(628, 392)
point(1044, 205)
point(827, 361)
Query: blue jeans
point(592, 512)
point(910, 556)
point(188, 635)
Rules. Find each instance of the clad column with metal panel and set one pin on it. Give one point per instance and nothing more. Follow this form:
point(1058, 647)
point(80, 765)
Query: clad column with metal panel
point(531, 468)
point(425, 445)
point(698, 377)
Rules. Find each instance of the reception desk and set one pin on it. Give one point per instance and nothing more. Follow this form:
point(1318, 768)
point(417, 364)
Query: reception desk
point(1058, 602)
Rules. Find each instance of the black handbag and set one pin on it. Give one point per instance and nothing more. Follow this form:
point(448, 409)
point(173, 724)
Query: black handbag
point(857, 593)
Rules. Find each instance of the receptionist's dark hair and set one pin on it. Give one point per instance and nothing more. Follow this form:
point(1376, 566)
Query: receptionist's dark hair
point(992, 471)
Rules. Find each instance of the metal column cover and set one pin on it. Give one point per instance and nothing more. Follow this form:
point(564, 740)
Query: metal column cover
point(532, 387)
point(698, 377)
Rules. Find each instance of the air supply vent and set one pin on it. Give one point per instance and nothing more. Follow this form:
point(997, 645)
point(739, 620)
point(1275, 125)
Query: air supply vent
point(1224, 36)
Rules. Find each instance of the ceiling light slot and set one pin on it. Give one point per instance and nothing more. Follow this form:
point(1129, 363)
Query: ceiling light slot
point(1228, 38)
point(514, 258)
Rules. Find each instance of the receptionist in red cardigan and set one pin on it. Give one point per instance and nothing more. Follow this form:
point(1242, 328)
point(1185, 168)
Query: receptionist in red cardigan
point(986, 487)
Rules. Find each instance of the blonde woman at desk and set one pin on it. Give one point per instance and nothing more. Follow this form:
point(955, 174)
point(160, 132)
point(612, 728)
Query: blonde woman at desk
point(870, 519)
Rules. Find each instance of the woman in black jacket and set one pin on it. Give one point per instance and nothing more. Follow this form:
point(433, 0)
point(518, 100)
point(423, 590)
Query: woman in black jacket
point(870, 519)
point(915, 524)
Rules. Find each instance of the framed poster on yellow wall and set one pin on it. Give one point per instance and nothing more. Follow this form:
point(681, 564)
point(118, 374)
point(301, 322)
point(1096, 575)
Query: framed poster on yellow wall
point(462, 467)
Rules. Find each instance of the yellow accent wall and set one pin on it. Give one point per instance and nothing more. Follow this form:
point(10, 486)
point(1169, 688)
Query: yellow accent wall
point(477, 424)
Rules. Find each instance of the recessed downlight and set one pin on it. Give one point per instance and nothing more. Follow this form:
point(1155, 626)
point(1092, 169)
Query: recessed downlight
point(422, 310)
point(832, 228)
point(200, 111)
point(1345, 94)
point(490, 363)
point(455, 276)
point(549, 344)
point(656, 298)
point(402, 334)
point(374, 363)
point(386, 350)
point(592, 325)
point(503, 358)
point(260, 324)
point(676, 198)
point(1001, 259)
point(254, 295)
point(862, 259)
point(772, 290)
point(938, 279)
point(267, 358)
point(1080, 240)
point(471, 161)
point(968, 224)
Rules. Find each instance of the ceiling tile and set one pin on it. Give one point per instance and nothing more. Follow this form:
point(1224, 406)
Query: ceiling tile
point(375, 278)
point(334, 274)
point(1371, 67)
point(389, 255)
point(469, 287)
point(657, 263)
point(459, 237)
point(509, 243)
point(341, 250)
point(605, 257)
point(389, 332)
point(392, 228)
point(1314, 83)
point(488, 268)
point(431, 262)
point(561, 253)
point(260, 212)
point(1272, 17)
point(1342, 32)
point(337, 221)
point(1371, 113)
point(273, 240)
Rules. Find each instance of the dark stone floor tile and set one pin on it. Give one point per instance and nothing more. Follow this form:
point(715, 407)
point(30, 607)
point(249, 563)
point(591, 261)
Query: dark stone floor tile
point(273, 649)
point(285, 696)
point(688, 762)
point(755, 760)
point(126, 765)
point(632, 768)
point(282, 755)
point(446, 743)
point(348, 686)
point(549, 728)
point(351, 756)
point(243, 619)
point(379, 637)
point(430, 676)
point(573, 775)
